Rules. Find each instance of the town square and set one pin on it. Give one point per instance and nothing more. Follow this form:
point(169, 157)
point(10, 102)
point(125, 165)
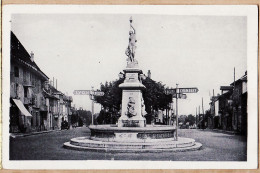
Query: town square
point(151, 87)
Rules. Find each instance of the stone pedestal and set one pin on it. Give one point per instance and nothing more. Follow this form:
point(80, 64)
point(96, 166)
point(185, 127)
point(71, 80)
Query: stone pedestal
point(132, 100)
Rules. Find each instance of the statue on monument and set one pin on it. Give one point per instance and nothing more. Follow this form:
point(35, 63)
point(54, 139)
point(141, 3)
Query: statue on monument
point(131, 108)
point(130, 50)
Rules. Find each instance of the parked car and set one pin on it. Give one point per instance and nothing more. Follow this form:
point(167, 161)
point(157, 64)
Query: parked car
point(65, 125)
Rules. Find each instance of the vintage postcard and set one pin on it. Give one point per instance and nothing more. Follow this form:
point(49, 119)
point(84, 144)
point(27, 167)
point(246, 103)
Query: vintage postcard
point(130, 87)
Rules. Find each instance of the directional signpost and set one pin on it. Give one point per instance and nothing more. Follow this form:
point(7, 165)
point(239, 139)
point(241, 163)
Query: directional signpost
point(179, 93)
point(91, 94)
point(188, 90)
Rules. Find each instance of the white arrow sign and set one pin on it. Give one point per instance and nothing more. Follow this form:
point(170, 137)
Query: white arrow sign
point(88, 92)
point(188, 90)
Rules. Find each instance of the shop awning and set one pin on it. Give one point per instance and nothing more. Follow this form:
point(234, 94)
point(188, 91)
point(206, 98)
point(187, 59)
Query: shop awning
point(21, 107)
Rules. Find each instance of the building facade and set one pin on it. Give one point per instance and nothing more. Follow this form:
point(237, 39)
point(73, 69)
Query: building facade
point(27, 103)
point(229, 110)
point(35, 105)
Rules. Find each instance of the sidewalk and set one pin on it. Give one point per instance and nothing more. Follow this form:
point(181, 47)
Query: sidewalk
point(223, 131)
point(15, 135)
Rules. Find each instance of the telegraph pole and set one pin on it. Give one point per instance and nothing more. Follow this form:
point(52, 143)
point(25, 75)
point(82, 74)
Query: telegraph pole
point(177, 112)
point(199, 119)
point(196, 118)
point(203, 115)
point(233, 98)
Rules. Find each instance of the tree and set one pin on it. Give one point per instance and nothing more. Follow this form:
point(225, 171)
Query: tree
point(191, 119)
point(182, 119)
point(85, 116)
point(154, 99)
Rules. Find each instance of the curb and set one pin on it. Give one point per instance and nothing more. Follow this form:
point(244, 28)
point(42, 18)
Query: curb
point(196, 146)
point(31, 134)
point(221, 131)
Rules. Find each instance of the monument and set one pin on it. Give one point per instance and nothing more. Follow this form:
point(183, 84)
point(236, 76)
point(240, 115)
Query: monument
point(132, 114)
point(132, 134)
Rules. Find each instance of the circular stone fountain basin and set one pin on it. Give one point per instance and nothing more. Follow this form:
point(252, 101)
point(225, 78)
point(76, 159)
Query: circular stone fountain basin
point(132, 139)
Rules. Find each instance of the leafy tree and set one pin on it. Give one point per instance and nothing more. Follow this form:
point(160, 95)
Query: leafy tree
point(85, 116)
point(154, 98)
point(191, 119)
point(182, 119)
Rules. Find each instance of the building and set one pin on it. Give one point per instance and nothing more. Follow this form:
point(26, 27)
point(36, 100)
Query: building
point(35, 104)
point(214, 118)
point(232, 105)
point(52, 103)
point(59, 106)
point(27, 103)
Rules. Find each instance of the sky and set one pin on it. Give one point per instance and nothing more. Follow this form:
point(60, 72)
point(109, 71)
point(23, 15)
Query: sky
point(84, 50)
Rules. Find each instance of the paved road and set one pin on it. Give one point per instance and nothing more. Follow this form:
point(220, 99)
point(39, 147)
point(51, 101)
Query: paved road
point(48, 146)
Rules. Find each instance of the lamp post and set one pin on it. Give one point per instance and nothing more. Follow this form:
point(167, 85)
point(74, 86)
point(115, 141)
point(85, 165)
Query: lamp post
point(91, 96)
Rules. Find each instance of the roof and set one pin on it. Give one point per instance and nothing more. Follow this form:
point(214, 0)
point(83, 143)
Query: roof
point(55, 91)
point(19, 53)
point(225, 95)
point(243, 78)
point(226, 87)
point(214, 98)
point(49, 94)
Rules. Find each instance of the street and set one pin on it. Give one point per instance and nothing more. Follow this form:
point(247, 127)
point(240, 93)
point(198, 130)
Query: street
point(216, 146)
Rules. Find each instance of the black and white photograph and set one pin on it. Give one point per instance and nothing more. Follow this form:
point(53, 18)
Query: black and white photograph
point(130, 87)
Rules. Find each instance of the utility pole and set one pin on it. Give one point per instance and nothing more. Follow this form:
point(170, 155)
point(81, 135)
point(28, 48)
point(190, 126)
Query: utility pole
point(233, 98)
point(203, 114)
point(196, 118)
point(177, 112)
point(199, 118)
point(214, 108)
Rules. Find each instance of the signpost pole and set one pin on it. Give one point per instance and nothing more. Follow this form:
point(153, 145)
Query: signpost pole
point(177, 112)
point(91, 94)
point(92, 98)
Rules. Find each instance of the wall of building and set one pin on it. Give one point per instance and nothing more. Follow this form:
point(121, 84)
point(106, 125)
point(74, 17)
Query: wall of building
point(27, 83)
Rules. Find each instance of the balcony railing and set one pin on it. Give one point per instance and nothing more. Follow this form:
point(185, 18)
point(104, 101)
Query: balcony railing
point(27, 83)
point(18, 80)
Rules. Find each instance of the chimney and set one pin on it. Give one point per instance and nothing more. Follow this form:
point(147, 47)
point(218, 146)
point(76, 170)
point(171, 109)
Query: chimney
point(149, 74)
point(32, 56)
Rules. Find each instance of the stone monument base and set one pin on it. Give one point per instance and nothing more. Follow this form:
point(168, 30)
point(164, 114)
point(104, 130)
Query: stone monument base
point(132, 123)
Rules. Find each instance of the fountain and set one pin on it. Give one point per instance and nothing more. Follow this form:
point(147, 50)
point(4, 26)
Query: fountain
point(132, 134)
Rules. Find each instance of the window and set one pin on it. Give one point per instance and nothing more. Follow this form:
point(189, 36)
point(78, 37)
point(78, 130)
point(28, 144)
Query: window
point(16, 90)
point(33, 80)
point(16, 71)
point(30, 77)
point(24, 75)
point(25, 91)
point(39, 86)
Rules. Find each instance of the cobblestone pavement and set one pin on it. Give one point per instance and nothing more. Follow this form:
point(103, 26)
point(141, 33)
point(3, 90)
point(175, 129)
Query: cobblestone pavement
point(48, 146)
